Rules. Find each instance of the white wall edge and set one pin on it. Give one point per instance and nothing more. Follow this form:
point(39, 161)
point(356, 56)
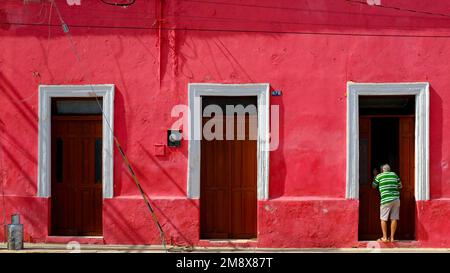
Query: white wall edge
point(196, 91)
point(421, 91)
point(46, 93)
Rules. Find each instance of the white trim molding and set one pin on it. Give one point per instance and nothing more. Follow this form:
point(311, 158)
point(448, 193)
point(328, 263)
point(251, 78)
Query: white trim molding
point(46, 93)
point(421, 92)
point(196, 91)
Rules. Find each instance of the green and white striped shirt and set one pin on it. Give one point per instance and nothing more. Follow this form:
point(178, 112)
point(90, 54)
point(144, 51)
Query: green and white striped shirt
point(389, 184)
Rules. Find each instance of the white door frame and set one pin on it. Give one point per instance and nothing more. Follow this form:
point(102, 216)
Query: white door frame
point(196, 91)
point(421, 92)
point(46, 93)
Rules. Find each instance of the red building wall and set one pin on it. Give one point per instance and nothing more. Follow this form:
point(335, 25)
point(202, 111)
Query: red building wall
point(151, 51)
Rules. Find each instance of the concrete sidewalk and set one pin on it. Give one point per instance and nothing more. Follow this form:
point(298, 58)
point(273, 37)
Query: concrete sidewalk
point(75, 248)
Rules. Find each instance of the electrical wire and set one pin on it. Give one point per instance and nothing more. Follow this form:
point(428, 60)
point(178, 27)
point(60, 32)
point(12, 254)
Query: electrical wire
point(363, 2)
point(399, 9)
point(265, 31)
point(116, 141)
point(119, 4)
point(133, 174)
point(362, 34)
point(2, 170)
point(2, 180)
point(66, 30)
point(49, 27)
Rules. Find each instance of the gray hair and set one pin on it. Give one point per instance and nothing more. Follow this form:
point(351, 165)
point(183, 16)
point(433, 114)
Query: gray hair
point(385, 168)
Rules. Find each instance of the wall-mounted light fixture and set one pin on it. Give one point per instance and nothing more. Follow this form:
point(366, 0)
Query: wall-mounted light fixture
point(174, 138)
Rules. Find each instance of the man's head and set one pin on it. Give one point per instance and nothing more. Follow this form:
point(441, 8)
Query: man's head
point(385, 168)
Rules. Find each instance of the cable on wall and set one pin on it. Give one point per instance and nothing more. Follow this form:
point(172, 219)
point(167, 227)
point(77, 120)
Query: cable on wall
point(116, 141)
point(399, 9)
point(118, 4)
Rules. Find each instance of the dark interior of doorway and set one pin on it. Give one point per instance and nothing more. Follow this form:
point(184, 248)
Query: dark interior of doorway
point(384, 139)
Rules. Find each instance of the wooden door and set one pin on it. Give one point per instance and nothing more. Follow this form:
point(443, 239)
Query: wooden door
point(228, 198)
point(369, 198)
point(406, 226)
point(76, 202)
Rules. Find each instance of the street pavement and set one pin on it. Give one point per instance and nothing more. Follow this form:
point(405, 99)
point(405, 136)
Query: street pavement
point(77, 248)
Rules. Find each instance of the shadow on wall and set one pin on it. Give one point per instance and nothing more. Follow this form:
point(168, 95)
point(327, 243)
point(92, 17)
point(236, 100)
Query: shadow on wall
point(421, 229)
point(156, 162)
point(2, 184)
point(21, 105)
point(212, 59)
point(277, 164)
point(120, 130)
point(133, 223)
point(174, 234)
point(436, 138)
point(18, 159)
point(121, 133)
point(128, 221)
point(33, 216)
point(3, 18)
point(122, 224)
point(249, 16)
point(131, 219)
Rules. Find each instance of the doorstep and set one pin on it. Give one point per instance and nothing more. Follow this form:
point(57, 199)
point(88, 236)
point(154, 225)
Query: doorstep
point(62, 248)
point(91, 240)
point(234, 243)
point(396, 244)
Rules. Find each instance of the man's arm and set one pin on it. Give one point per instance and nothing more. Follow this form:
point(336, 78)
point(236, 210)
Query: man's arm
point(375, 183)
point(400, 186)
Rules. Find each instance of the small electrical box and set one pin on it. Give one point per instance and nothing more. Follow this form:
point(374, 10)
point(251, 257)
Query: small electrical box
point(159, 149)
point(174, 138)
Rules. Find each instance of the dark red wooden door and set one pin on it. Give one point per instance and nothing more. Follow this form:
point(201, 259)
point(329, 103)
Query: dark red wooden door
point(406, 227)
point(76, 202)
point(369, 199)
point(228, 186)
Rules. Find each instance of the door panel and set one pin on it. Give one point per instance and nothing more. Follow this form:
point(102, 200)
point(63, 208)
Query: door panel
point(228, 185)
point(215, 199)
point(369, 200)
point(244, 188)
point(76, 202)
point(406, 227)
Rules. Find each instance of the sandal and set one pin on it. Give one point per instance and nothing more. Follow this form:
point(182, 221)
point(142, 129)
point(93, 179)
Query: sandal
point(383, 240)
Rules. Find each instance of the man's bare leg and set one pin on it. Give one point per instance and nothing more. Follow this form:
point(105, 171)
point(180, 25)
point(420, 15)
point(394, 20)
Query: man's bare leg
point(393, 229)
point(384, 229)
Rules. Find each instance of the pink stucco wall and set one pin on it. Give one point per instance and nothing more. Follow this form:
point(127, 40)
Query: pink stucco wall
point(307, 49)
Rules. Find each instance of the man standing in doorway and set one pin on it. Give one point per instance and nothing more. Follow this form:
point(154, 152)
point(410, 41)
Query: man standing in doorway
point(389, 185)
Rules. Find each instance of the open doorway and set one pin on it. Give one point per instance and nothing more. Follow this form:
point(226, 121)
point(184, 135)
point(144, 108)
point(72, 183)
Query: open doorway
point(386, 135)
